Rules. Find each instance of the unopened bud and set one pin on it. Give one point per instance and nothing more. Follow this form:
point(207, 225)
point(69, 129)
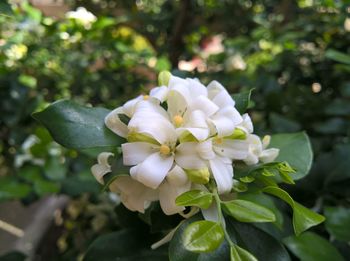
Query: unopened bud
point(238, 134)
point(139, 137)
point(199, 176)
point(163, 78)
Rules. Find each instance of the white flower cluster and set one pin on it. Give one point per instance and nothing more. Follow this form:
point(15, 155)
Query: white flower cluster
point(180, 135)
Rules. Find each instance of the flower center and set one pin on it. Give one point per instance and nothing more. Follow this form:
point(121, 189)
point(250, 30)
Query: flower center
point(164, 149)
point(219, 140)
point(145, 97)
point(178, 120)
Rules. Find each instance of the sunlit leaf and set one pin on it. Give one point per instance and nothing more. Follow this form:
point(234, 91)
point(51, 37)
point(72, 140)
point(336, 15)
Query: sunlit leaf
point(198, 198)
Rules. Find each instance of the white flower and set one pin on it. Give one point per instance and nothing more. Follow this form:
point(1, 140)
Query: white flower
point(102, 167)
point(133, 194)
point(198, 110)
point(138, 197)
point(113, 120)
point(258, 150)
point(180, 136)
point(82, 15)
point(217, 155)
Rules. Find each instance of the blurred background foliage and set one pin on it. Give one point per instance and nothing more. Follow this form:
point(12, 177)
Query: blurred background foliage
point(295, 54)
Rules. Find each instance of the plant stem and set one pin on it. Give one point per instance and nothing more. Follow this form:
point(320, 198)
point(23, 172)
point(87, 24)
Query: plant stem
point(221, 217)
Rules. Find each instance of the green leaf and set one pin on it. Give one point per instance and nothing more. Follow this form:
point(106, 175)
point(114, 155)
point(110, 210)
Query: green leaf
point(12, 189)
point(239, 254)
point(247, 211)
point(310, 247)
point(303, 218)
point(242, 100)
point(55, 169)
point(338, 222)
point(13, 256)
point(203, 236)
point(260, 244)
point(178, 252)
point(125, 244)
point(198, 198)
point(78, 127)
point(45, 187)
point(338, 56)
point(295, 148)
point(266, 201)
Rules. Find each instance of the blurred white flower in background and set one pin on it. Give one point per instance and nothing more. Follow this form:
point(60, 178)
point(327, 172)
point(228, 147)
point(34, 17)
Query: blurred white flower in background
point(235, 62)
point(83, 16)
point(347, 24)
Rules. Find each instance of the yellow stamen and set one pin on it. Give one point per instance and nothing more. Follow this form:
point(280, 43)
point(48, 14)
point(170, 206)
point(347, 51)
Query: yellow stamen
point(145, 97)
point(164, 149)
point(219, 140)
point(178, 120)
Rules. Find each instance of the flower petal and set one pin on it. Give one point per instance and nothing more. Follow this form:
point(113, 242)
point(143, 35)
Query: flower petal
point(196, 88)
point(218, 94)
point(177, 176)
point(255, 149)
point(233, 149)
point(247, 124)
point(129, 106)
point(103, 167)
point(149, 119)
point(136, 152)
point(226, 120)
point(205, 149)
point(195, 123)
point(269, 155)
point(223, 174)
point(160, 93)
point(203, 104)
point(152, 171)
point(168, 194)
point(134, 195)
point(114, 123)
point(178, 100)
point(187, 157)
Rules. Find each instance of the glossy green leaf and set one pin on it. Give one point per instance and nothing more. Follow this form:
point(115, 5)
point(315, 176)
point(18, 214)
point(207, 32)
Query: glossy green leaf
point(257, 242)
point(247, 211)
point(178, 252)
point(266, 201)
point(239, 254)
point(295, 148)
point(242, 100)
point(338, 222)
point(198, 198)
point(125, 244)
point(203, 236)
point(78, 127)
point(311, 247)
point(303, 218)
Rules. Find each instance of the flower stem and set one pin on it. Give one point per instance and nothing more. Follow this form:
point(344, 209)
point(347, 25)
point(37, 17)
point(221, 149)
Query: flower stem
point(221, 217)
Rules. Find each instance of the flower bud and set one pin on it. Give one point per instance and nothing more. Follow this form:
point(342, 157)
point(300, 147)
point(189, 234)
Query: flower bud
point(163, 78)
point(135, 137)
point(199, 176)
point(238, 134)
